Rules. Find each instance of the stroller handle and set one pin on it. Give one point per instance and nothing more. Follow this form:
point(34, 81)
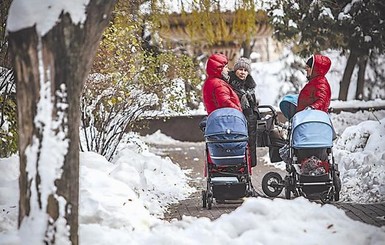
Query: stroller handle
point(227, 140)
point(273, 111)
point(275, 116)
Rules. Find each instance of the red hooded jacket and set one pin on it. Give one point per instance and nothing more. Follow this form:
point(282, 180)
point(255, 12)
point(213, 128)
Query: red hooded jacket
point(217, 93)
point(317, 92)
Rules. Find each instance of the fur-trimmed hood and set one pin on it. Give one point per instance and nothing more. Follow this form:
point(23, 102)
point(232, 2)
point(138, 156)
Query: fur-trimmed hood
point(238, 84)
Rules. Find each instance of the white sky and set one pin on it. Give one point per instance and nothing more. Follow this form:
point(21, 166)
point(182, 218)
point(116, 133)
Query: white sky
point(44, 14)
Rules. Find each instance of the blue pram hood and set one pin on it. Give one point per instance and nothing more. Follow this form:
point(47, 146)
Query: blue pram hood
point(312, 129)
point(226, 136)
point(226, 121)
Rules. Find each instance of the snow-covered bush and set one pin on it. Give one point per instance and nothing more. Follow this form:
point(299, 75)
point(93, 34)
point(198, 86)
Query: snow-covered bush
point(8, 120)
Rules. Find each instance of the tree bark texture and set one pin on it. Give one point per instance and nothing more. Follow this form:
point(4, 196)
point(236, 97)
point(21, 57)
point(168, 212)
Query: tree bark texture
point(4, 57)
point(65, 56)
point(362, 62)
point(344, 85)
point(247, 48)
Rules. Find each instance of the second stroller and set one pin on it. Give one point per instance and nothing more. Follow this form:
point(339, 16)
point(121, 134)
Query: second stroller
point(310, 166)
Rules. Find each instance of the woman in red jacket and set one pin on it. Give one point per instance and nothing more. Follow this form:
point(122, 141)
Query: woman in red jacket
point(317, 93)
point(217, 93)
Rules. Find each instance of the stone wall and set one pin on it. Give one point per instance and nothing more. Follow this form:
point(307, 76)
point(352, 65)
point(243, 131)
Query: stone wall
point(186, 128)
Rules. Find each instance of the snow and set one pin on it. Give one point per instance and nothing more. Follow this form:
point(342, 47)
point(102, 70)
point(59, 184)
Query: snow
point(123, 201)
point(361, 155)
point(24, 14)
point(175, 6)
point(326, 12)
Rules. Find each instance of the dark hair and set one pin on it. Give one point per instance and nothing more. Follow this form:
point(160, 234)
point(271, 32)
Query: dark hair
point(309, 62)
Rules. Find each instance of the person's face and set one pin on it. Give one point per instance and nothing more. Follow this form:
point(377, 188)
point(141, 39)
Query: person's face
point(241, 73)
point(225, 69)
point(308, 71)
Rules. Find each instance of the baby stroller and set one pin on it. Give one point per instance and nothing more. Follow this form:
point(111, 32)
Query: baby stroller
point(270, 132)
point(227, 165)
point(311, 170)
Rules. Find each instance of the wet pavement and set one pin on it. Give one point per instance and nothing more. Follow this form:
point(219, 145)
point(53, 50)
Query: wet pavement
point(190, 157)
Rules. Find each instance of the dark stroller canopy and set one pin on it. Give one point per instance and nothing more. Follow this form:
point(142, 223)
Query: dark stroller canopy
point(226, 121)
point(288, 105)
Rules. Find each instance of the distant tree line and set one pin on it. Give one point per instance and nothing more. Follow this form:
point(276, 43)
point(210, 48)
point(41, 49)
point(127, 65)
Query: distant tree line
point(355, 27)
point(8, 114)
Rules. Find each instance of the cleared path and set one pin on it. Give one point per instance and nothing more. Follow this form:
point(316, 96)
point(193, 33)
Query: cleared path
point(190, 157)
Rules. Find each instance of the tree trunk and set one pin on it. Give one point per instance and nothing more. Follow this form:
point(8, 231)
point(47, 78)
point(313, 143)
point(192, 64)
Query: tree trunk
point(247, 48)
point(50, 72)
point(344, 85)
point(4, 57)
point(362, 62)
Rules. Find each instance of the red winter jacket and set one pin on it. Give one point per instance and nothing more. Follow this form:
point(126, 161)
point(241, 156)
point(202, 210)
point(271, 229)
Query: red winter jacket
point(316, 92)
point(217, 93)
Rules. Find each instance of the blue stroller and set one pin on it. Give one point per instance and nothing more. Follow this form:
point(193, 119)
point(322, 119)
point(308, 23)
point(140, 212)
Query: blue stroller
point(227, 165)
point(311, 170)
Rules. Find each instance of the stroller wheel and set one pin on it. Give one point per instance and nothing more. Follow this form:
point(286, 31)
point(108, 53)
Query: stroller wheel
point(325, 197)
point(287, 193)
point(209, 199)
point(337, 196)
point(250, 192)
point(204, 199)
point(337, 186)
point(209, 202)
point(272, 184)
point(288, 188)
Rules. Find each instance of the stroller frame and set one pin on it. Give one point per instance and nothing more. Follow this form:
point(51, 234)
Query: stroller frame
point(325, 187)
point(229, 175)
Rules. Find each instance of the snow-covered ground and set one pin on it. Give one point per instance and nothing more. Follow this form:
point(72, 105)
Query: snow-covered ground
point(123, 201)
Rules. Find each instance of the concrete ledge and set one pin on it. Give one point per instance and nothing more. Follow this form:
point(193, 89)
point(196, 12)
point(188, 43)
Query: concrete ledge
point(183, 128)
point(186, 128)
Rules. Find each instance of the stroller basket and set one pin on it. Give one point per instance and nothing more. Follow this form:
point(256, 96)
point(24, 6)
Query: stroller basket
point(228, 188)
point(226, 136)
point(315, 184)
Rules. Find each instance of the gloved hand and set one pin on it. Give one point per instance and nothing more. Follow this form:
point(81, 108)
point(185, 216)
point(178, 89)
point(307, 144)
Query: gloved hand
point(248, 95)
point(248, 112)
point(242, 91)
point(244, 101)
point(257, 113)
